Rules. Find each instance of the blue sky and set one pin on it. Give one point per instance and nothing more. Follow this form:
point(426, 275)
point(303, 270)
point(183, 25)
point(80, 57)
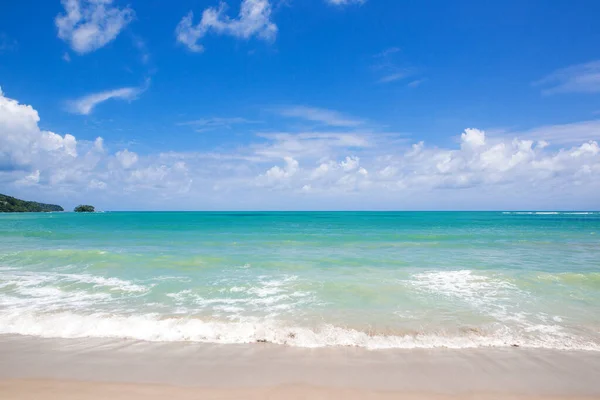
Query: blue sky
point(312, 104)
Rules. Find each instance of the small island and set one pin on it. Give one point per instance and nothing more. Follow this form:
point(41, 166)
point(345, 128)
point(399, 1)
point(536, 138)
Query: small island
point(12, 204)
point(84, 208)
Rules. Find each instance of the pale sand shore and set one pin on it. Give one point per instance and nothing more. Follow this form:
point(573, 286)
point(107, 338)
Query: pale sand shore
point(35, 368)
point(71, 390)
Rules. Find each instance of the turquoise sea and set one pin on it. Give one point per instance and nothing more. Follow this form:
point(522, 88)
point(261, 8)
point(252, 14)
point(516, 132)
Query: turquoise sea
point(377, 280)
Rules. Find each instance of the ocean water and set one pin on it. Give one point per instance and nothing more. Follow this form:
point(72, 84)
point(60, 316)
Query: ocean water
point(377, 280)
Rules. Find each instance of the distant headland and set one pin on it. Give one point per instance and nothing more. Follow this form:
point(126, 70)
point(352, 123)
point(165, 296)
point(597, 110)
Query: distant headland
point(12, 204)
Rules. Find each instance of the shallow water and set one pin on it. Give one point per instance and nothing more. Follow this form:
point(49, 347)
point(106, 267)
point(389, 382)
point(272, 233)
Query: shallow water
point(375, 280)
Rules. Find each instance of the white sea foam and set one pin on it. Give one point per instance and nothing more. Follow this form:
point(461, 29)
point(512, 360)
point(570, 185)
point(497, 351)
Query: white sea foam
point(30, 279)
point(487, 295)
point(262, 308)
point(263, 295)
point(500, 299)
point(481, 292)
point(112, 283)
point(55, 291)
point(150, 327)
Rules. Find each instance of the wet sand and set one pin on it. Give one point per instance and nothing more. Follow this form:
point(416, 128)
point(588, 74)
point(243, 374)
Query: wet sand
point(35, 368)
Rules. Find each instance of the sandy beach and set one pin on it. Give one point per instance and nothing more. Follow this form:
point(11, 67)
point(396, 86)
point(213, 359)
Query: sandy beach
point(41, 389)
point(35, 368)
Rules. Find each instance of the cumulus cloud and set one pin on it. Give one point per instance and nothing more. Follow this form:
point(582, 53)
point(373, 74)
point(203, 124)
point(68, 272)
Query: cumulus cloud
point(43, 161)
point(88, 25)
point(22, 142)
point(277, 174)
point(580, 78)
point(126, 158)
point(472, 138)
point(322, 169)
point(30, 179)
point(86, 104)
point(350, 163)
point(254, 20)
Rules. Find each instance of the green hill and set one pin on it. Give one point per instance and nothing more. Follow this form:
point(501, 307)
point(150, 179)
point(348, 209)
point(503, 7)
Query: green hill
point(11, 204)
point(84, 208)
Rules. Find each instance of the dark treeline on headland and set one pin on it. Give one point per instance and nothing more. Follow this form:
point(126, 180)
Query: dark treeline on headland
point(11, 204)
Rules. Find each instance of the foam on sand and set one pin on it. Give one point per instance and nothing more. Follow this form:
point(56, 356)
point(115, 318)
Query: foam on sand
point(153, 328)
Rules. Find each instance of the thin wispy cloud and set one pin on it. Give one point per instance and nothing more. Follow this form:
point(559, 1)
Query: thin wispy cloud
point(580, 78)
point(254, 19)
point(7, 43)
point(88, 25)
point(561, 134)
point(86, 104)
point(140, 45)
point(389, 68)
point(416, 83)
point(387, 52)
point(208, 124)
point(345, 2)
point(320, 115)
point(396, 76)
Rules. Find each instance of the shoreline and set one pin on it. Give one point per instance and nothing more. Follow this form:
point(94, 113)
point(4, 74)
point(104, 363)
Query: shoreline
point(40, 368)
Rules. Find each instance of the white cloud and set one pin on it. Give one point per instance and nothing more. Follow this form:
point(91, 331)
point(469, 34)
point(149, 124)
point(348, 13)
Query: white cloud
point(388, 172)
point(472, 138)
point(322, 170)
point(254, 20)
point(338, 170)
point(22, 142)
point(99, 144)
point(345, 2)
point(392, 70)
point(320, 115)
point(311, 145)
point(208, 124)
point(86, 104)
point(60, 165)
point(580, 78)
point(30, 179)
point(126, 158)
point(88, 25)
point(350, 163)
point(562, 134)
point(277, 174)
point(396, 76)
point(96, 184)
point(416, 83)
